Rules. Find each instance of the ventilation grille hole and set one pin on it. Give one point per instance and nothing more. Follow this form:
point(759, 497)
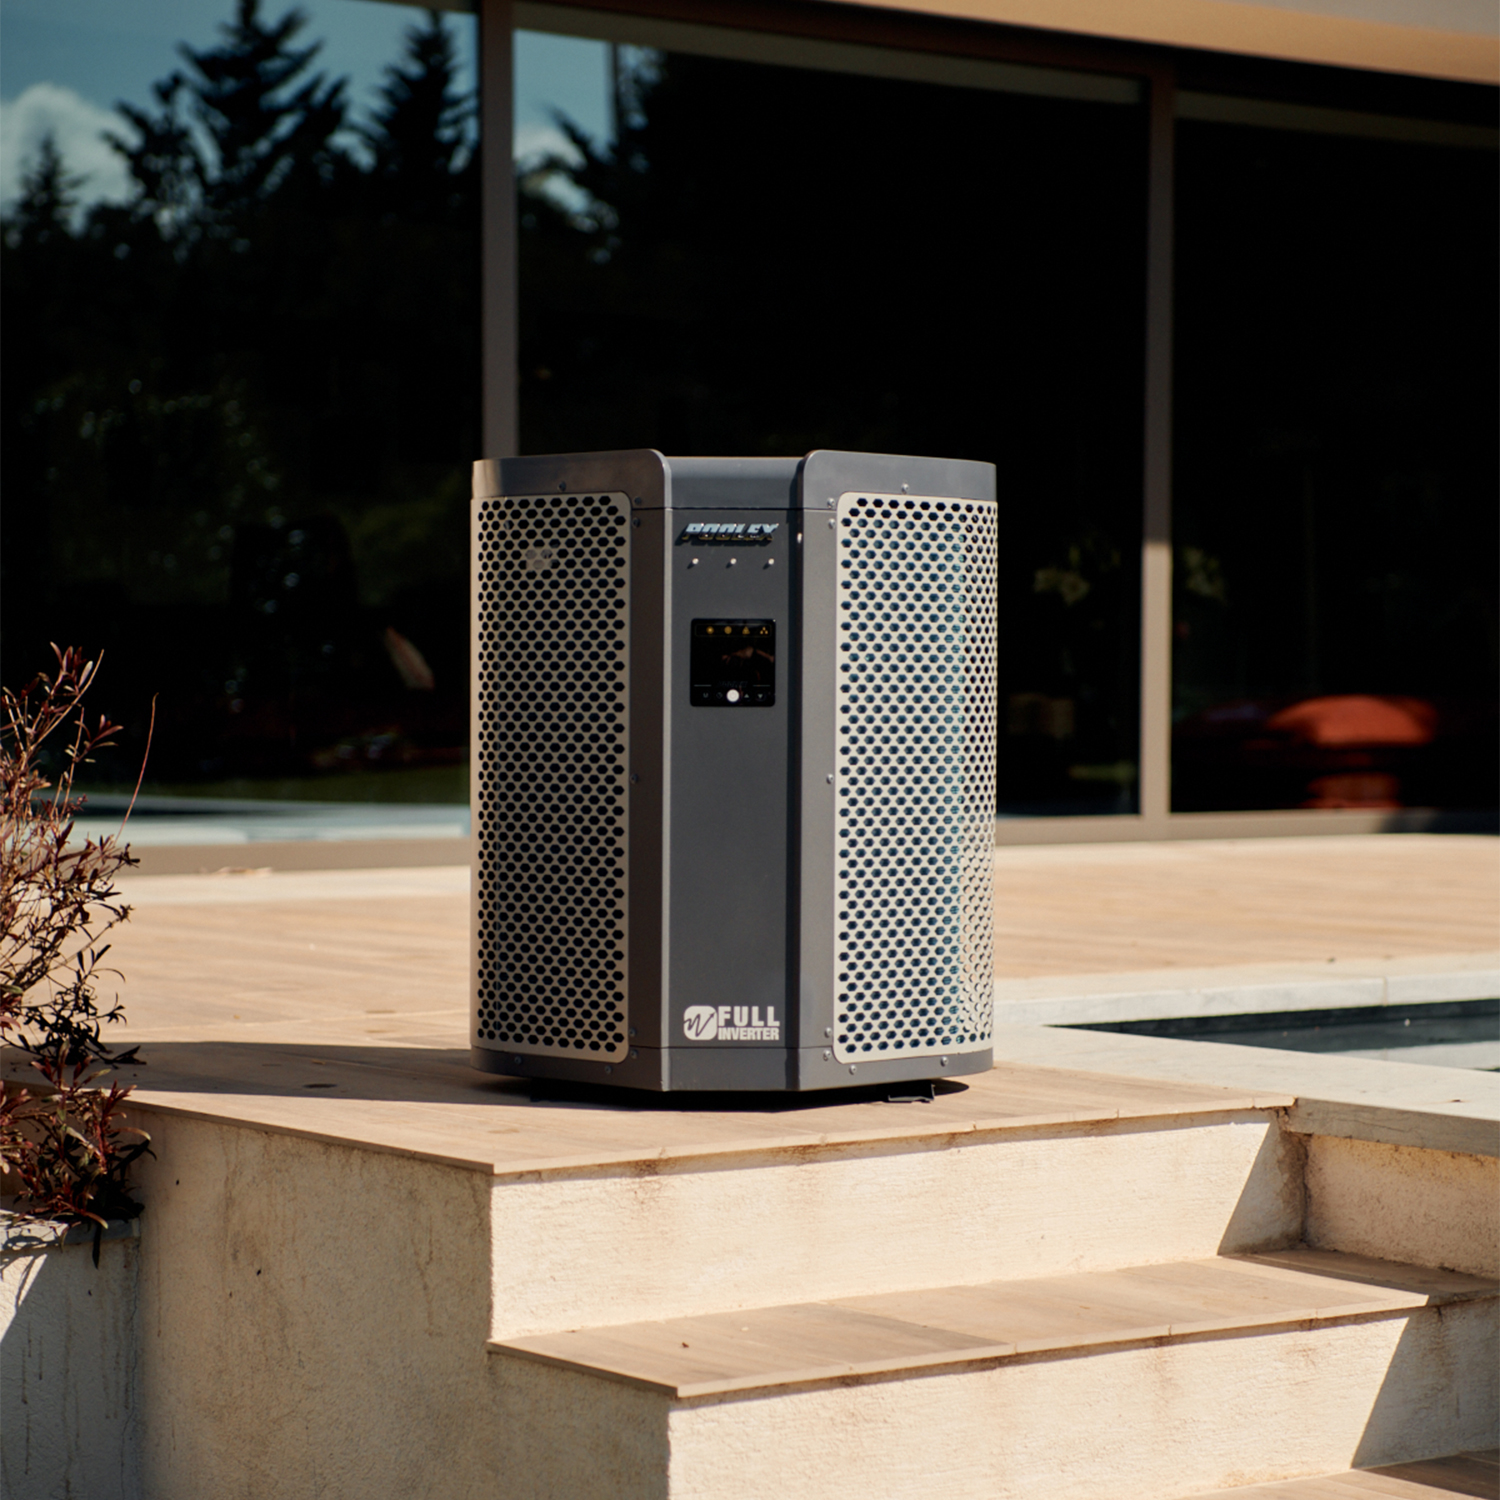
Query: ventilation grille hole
point(551, 826)
point(914, 907)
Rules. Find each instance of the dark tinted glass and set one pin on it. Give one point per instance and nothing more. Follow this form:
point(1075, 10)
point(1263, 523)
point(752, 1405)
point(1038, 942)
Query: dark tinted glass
point(1335, 490)
point(770, 260)
point(240, 399)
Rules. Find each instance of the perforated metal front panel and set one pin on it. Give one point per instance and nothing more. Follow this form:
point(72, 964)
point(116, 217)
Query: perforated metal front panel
point(914, 827)
point(551, 733)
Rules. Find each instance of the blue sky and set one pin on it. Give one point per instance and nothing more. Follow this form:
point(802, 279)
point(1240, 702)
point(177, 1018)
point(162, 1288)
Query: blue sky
point(65, 63)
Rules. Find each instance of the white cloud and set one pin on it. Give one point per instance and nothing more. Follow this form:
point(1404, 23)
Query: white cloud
point(533, 142)
point(77, 125)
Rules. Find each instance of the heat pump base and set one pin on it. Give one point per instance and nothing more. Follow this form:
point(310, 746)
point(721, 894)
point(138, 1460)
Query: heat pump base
point(725, 1069)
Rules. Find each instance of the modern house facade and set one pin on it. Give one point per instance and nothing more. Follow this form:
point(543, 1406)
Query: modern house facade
point(1211, 284)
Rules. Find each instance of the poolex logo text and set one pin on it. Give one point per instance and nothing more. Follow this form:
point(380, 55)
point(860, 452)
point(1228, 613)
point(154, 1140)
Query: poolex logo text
point(728, 531)
point(730, 1023)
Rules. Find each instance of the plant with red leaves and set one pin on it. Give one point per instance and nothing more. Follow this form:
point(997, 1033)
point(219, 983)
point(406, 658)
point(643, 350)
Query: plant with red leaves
point(66, 1148)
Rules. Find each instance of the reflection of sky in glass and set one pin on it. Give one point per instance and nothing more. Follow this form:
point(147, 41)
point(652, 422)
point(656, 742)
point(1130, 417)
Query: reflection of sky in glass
point(553, 73)
point(65, 63)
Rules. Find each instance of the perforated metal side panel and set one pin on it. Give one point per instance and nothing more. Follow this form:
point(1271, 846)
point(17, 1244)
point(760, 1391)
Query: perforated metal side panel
point(552, 726)
point(914, 827)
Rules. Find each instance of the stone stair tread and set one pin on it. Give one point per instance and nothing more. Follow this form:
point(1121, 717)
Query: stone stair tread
point(1475, 1474)
point(1439, 1284)
point(430, 1104)
point(894, 1332)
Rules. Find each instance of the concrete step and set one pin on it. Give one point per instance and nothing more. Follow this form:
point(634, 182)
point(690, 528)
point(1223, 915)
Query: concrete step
point(1143, 1382)
point(316, 1213)
point(1029, 1173)
point(1476, 1474)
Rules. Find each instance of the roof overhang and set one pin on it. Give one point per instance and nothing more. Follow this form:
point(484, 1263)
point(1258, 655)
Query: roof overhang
point(1458, 40)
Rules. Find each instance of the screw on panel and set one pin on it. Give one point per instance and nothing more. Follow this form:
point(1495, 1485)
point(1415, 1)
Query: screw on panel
point(828, 1031)
point(827, 1055)
point(851, 1068)
point(732, 561)
point(635, 520)
point(831, 523)
point(635, 778)
point(829, 778)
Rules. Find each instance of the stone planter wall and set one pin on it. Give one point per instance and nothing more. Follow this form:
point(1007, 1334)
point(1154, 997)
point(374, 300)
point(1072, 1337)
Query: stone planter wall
point(69, 1405)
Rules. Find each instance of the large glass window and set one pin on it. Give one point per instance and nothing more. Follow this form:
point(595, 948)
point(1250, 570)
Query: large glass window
point(241, 383)
point(723, 256)
point(1335, 489)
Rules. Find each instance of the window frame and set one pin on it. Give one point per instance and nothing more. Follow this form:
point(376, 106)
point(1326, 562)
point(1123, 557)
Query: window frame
point(766, 27)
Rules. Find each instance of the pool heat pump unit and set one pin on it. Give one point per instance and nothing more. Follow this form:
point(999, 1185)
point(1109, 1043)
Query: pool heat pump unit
point(733, 769)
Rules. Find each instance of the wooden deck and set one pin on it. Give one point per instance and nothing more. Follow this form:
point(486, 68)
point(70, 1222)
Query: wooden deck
point(336, 1002)
point(1105, 909)
point(380, 956)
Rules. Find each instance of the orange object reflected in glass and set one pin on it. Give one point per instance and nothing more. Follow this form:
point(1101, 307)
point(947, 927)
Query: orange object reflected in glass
point(1357, 719)
point(1335, 750)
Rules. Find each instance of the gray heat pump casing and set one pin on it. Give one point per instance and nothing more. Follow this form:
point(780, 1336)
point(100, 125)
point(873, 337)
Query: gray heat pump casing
point(733, 769)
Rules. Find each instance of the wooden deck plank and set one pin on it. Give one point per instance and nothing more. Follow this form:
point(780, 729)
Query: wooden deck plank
point(1175, 1297)
point(720, 1352)
point(1430, 1479)
point(761, 1348)
point(1206, 1291)
point(1057, 1310)
point(1458, 1475)
point(376, 954)
point(429, 1103)
point(1108, 909)
point(1375, 1484)
point(1349, 1486)
point(1428, 1281)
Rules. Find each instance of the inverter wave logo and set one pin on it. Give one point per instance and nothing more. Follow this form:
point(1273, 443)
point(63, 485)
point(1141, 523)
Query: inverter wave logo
point(730, 1023)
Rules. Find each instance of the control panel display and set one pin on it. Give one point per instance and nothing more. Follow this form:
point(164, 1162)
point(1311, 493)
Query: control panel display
point(733, 663)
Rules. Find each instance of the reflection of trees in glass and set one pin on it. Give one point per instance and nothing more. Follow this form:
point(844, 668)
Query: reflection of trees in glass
point(262, 129)
point(238, 409)
point(769, 260)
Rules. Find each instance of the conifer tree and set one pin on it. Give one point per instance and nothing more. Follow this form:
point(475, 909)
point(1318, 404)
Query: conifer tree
point(262, 127)
point(163, 160)
point(419, 135)
point(43, 214)
point(266, 128)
